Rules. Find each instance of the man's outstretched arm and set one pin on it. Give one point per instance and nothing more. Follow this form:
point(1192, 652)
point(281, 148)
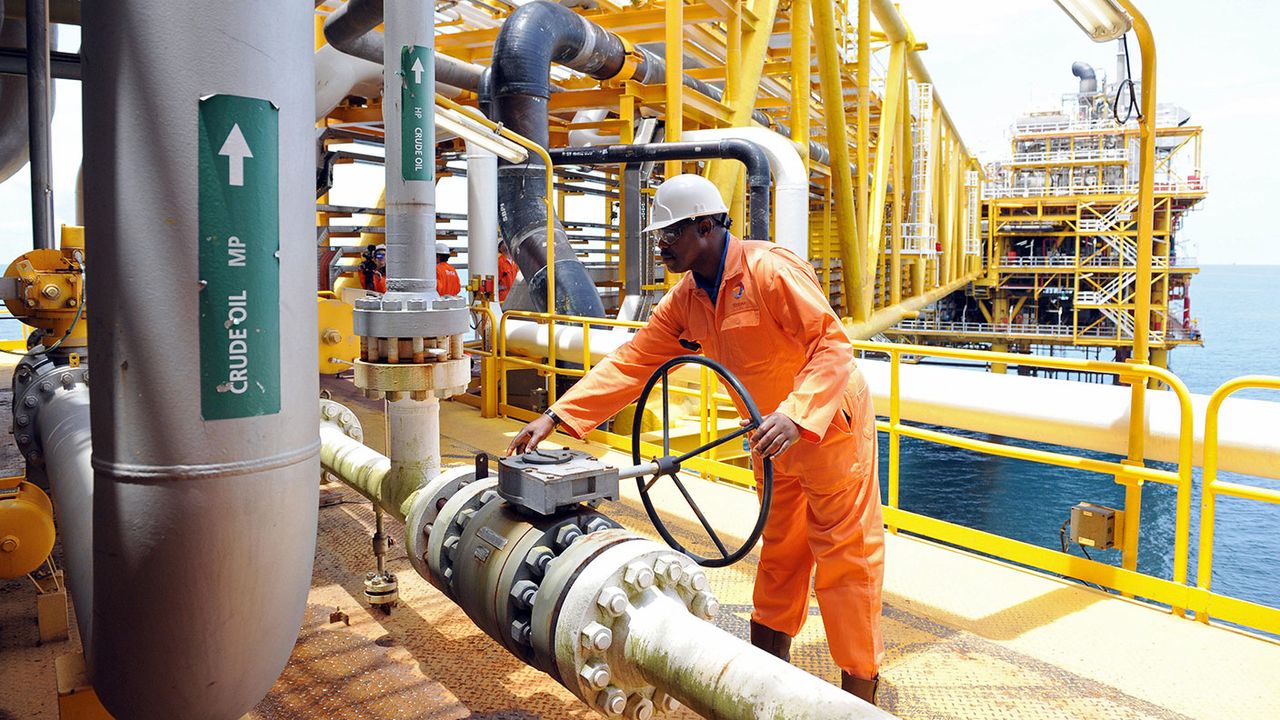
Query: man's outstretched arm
point(616, 381)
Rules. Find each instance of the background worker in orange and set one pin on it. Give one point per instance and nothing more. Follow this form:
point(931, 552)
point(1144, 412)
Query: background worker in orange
point(447, 282)
point(758, 309)
point(506, 270)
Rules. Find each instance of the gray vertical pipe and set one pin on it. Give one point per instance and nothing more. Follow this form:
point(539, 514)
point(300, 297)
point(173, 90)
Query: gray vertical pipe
point(410, 204)
point(203, 530)
point(39, 114)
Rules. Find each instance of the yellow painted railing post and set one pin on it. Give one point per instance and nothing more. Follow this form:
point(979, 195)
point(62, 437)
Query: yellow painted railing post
point(895, 418)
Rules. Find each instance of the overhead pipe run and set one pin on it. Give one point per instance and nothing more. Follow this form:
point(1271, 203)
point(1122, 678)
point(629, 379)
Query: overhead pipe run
point(204, 490)
point(748, 153)
point(350, 29)
point(532, 38)
point(1088, 79)
point(790, 182)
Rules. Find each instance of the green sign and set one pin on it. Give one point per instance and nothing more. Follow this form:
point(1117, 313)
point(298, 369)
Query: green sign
point(417, 102)
point(239, 257)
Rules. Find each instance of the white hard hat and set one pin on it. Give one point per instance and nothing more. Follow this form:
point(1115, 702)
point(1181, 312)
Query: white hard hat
point(682, 197)
point(442, 248)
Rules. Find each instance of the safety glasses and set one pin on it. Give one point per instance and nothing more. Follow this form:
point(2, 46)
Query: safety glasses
point(671, 233)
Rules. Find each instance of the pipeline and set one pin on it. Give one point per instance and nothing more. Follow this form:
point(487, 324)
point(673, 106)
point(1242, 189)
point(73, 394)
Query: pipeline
point(13, 103)
point(205, 527)
point(1088, 79)
point(533, 37)
point(790, 182)
point(748, 153)
point(620, 621)
point(350, 29)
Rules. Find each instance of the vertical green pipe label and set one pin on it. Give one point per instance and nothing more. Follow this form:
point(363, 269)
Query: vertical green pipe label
point(417, 103)
point(239, 257)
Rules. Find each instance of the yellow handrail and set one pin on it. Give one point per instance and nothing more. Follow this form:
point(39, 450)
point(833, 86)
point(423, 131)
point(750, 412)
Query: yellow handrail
point(1174, 592)
point(1211, 487)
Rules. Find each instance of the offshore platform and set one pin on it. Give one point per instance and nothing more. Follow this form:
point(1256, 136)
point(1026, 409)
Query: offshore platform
point(1060, 232)
point(247, 480)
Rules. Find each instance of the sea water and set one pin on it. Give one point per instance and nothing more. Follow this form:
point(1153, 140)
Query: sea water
point(1237, 307)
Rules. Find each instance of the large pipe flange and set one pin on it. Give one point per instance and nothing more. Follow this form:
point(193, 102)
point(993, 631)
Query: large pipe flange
point(591, 590)
point(36, 382)
point(407, 315)
point(427, 504)
point(442, 379)
point(446, 532)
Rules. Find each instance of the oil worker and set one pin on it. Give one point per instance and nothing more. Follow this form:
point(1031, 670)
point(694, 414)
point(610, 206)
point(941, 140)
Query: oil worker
point(506, 270)
point(373, 268)
point(758, 309)
point(447, 282)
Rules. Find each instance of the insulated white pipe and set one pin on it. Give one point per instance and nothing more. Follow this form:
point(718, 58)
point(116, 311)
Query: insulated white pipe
point(790, 182)
point(64, 436)
point(339, 75)
point(1076, 414)
point(720, 677)
point(590, 137)
point(482, 211)
point(413, 437)
point(204, 510)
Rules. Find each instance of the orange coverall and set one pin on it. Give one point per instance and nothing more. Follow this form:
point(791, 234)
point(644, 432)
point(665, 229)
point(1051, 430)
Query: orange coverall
point(447, 282)
point(773, 328)
point(506, 276)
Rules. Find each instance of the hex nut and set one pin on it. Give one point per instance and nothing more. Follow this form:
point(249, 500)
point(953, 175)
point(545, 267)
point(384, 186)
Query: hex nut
point(596, 637)
point(639, 707)
point(521, 631)
point(668, 570)
point(639, 576)
point(487, 495)
point(22, 420)
point(538, 559)
point(612, 701)
point(696, 581)
point(598, 524)
point(595, 675)
point(30, 401)
point(665, 702)
point(612, 601)
point(705, 605)
point(524, 592)
point(566, 535)
point(46, 387)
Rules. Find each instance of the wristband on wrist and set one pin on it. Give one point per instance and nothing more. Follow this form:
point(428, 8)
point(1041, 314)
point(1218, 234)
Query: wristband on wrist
point(555, 419)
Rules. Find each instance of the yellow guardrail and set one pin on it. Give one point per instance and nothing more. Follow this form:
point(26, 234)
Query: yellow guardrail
point(1207, 603)
point(1174, 592)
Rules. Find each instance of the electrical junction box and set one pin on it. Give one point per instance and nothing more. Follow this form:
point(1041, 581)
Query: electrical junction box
point(1093, 526)
point(548, 481)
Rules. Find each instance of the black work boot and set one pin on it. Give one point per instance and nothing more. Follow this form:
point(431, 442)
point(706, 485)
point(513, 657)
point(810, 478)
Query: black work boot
point(859, 687)
point(771, 641)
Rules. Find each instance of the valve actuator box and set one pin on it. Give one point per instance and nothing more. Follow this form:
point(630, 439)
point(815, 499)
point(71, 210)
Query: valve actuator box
point(549, 481)
point(1093, 526)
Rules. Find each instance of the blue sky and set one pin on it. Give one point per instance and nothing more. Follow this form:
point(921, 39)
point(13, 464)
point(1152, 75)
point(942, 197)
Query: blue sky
point(992, 60)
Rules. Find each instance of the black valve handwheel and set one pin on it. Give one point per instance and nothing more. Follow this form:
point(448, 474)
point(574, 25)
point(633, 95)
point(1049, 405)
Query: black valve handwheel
point(669, 465)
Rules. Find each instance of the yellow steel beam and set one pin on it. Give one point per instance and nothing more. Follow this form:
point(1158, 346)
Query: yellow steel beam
point(852, 273)
point(674, 18)
point(740, 92)
point(889, 119)
point(801, 74)
point(863, 150)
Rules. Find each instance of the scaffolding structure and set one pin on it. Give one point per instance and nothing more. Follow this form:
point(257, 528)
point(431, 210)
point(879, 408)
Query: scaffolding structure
point(846, 82)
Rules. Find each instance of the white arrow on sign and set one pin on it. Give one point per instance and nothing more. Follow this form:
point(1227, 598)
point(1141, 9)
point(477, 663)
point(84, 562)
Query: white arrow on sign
point(417, 71)
point(236, 150)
